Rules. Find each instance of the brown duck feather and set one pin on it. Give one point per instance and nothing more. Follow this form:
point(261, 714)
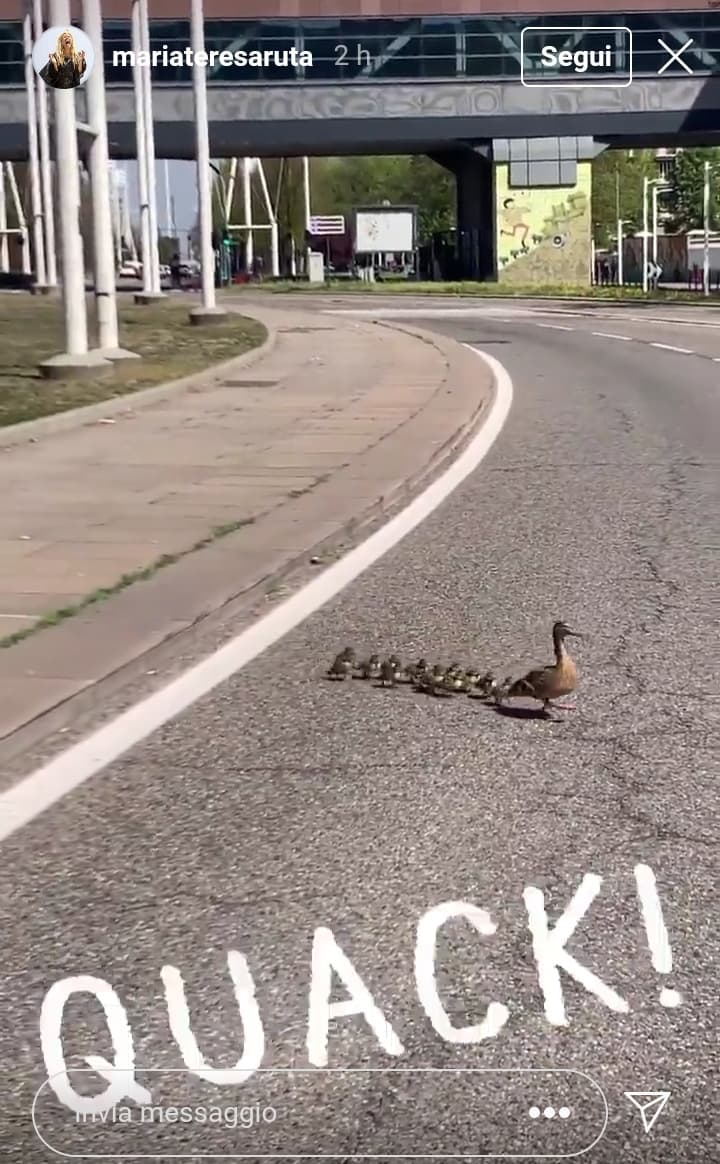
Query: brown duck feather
point(554, 681)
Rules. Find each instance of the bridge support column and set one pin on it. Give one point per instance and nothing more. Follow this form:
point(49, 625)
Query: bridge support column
point(543, 190)
point(474, 207)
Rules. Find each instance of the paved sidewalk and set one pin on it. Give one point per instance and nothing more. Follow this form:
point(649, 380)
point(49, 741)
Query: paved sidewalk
point(262, 464)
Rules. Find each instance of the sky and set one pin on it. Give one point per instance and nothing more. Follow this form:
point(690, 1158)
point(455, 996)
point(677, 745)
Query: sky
point(182, 188)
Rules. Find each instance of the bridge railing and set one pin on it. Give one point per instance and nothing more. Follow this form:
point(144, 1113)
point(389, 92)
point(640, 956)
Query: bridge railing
point(392, 50)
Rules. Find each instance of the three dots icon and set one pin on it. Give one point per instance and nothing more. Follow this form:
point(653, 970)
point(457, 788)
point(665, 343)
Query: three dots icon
point(550, 1113)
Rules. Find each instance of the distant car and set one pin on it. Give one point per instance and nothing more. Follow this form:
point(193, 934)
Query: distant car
point(164, 271)
point(130, 271)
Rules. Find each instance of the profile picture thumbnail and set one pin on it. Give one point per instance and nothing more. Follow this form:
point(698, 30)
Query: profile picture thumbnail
point(63, 57)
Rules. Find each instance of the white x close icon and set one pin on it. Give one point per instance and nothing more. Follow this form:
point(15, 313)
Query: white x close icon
point(675, 56)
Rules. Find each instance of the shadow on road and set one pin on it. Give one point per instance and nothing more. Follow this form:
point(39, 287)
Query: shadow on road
point(518, 712)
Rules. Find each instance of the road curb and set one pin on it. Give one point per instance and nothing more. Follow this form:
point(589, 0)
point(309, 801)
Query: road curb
point(32, 430)
point(449, 296)
point(251, 601)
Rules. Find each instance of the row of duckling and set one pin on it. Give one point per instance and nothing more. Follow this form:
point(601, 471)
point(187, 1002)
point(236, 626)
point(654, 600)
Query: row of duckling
point(545, 684)
point(421, 676)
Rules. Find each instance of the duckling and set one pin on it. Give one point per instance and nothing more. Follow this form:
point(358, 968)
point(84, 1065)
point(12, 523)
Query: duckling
point(552, 682)
point(387, 674)
point(484, 687)
point(402, 673)
point(502, 689)
point(432, 681)
point(455, 678)
point(369, 668)
point(442, 680)
point(472, 678)
point(347, 655)
point(340, 668)
point(416, 670)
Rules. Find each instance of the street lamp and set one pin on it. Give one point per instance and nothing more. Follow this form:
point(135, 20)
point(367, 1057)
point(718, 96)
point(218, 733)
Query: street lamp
point(647, 183)
point(621, 222)
point(706, 228)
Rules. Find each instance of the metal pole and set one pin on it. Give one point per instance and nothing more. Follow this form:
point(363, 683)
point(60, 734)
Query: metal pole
point(22, 228)
point(620, 256)
point(168, 215)
point(706, 228)
point(4, 248)
point(116, 219)
point(141, 150)
point(646, 186)
point(99, 169)
point(209, 310)
point(308, 213)
point(230, 191)
point(654, 225)
point(68, 184)
point(247, 210)
point(274, 249)
point(34, 156)
point(146, 80)
point(46, 182)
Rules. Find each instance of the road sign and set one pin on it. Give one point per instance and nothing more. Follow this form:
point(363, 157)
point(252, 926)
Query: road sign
point(327, 224)
point(650, 1104)
point(654, 271)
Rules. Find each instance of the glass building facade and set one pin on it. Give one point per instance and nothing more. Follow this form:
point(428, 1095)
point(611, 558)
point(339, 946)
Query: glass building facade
point(404, 49)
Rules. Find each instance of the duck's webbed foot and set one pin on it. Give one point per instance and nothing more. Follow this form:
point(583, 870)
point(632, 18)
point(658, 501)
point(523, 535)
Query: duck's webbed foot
point(561, 706)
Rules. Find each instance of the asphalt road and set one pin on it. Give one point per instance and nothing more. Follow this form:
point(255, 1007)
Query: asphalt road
point(283, 803)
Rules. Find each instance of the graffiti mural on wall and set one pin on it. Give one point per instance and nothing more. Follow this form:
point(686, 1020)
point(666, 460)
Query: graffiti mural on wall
point(543, 234)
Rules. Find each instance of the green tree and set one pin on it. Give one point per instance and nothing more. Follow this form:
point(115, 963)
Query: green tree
point(617, 191)
point(340, 184)
point(687, 181)
point(337, 186)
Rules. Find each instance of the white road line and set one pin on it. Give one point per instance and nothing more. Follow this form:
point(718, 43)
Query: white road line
point(35, 793)
point(554, 327)
point(716, 359)
point(674, 322)
point(671, 348)
point(611, 335)
point(431, 312)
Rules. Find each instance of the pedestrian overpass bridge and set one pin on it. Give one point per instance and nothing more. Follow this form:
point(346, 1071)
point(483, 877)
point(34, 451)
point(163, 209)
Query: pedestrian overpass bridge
point(473, 92)
point(410, 84)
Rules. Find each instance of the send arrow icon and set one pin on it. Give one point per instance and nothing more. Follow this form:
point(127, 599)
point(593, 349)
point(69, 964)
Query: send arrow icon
point(650, 1104)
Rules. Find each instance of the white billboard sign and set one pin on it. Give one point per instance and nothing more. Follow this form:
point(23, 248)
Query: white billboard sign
point(384, 231)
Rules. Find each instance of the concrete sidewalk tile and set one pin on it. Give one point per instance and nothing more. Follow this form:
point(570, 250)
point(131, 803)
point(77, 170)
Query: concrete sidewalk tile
point(283, 529)
point(347, 410)
point(53, 581)
point(111, 552)
point(35, 604)
point(23, 699)
point(85, 647)
point(180, 594)
point(10, 624)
